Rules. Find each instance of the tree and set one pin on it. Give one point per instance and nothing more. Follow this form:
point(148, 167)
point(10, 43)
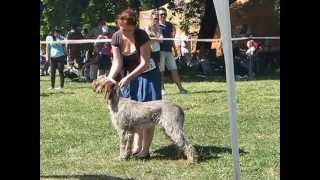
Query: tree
point(101, 9)
point(198, 12)
point(63, 13)
point(60, 14)
point(151, 4)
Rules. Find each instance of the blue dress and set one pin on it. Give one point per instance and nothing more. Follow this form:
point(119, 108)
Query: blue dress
point(147, 86)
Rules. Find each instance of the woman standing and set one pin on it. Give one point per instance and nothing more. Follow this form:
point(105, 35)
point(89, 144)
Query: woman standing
point(56, 57)
point(154, 31)
point(131, 54)
point(103, 51)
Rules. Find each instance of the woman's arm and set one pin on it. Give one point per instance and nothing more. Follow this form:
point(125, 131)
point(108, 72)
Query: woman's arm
point(145, 52)
point(150, 32)
point(117, 63)
point(160, 35)
point(48, 52)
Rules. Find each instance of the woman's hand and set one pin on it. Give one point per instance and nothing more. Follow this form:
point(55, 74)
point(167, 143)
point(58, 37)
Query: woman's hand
point(109, 81)
point(124, 82)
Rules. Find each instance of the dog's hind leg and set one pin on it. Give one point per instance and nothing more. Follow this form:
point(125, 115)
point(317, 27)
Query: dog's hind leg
point(178, 137)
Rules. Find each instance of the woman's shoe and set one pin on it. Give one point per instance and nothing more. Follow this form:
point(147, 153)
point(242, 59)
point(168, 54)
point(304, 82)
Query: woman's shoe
point(142, 157)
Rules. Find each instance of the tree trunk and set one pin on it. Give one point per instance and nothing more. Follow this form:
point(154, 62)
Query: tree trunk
point(208, 26)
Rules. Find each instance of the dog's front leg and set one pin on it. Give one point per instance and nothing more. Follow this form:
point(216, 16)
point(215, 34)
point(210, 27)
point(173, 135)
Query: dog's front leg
point(123, 141)
point(129, 142)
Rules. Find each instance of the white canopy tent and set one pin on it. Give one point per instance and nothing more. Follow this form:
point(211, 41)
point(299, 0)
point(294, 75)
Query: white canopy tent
point(223, 15)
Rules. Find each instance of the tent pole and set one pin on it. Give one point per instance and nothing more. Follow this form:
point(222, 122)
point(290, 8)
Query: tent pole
point(223, 15)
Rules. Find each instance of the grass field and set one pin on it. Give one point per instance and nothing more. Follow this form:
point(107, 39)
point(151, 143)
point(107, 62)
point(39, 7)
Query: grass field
point(78, 141)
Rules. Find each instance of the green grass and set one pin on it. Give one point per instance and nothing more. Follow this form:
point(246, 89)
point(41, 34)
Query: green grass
point(78, 141)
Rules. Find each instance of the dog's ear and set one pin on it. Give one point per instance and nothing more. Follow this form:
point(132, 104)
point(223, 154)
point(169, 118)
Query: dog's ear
point(108, 91)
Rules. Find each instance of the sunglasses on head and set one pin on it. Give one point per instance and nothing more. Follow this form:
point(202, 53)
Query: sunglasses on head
point(130, 21)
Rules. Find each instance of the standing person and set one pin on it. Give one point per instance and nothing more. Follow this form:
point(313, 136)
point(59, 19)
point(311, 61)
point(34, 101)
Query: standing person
point(96, 31)
point(44, 70)
point(74, 50)
point(56, 54)
point(166, 56)
point(103, 51)
point(131, 53)
point(92, 55)
point(43, 61)
point(154, 31)
point(253, 47)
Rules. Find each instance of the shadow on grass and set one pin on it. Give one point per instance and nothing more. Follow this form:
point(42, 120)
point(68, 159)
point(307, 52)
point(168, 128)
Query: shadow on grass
point(86, 177)
point(45, 80)
point(199, 92)
point(46, 94)
point(196, 77)
point(204, 152)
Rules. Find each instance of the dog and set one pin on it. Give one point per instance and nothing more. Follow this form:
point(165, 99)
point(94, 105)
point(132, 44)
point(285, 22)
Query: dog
point(128, 116)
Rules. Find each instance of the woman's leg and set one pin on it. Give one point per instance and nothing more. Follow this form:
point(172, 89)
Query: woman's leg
point(137, 142)
point(61, 74)
point(154, 93)
point(53, 68)
point(147, 136)
point(102, 59)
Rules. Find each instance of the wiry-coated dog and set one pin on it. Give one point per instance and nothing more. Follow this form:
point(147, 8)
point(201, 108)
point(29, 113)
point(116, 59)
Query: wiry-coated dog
point(128, 116)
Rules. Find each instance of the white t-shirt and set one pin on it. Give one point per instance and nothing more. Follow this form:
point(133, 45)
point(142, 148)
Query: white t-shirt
point(155, 44)
point(184, 44)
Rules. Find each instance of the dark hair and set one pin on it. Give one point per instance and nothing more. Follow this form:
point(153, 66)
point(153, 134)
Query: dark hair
point(162, 9)
point(129, 15)
point(154, 11)
point(56, 30)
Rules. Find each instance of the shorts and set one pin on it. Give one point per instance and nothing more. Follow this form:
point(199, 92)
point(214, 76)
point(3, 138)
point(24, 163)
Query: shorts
point(167, 60)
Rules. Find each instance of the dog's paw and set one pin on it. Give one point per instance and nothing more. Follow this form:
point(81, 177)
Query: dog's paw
point(123, 157)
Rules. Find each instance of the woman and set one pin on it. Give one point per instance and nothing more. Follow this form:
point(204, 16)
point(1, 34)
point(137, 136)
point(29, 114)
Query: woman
point(154, 31)
point(57, 58)
point(103, 51)
point(131, 54)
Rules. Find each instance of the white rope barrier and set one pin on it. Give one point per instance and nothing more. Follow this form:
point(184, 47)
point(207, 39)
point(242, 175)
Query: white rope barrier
point(84, 41)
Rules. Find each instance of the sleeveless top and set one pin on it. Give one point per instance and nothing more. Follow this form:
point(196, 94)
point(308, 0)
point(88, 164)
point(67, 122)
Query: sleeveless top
point(130, 62)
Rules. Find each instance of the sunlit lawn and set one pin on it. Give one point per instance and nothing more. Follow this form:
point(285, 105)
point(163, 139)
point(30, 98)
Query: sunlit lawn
point(78, 141)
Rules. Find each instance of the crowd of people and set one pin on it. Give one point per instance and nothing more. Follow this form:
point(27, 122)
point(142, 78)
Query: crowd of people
point(95, 59)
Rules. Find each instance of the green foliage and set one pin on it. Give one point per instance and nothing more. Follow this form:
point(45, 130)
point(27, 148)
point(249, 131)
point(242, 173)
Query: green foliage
point(101, 9)
point(63, 13)
point(152, 4)
point(192, 12)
